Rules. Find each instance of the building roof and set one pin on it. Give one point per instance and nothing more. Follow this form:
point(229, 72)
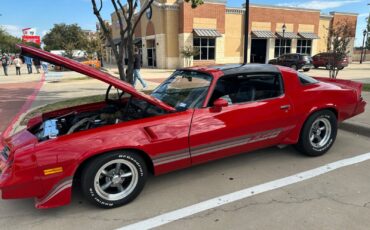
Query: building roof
point(207, 33)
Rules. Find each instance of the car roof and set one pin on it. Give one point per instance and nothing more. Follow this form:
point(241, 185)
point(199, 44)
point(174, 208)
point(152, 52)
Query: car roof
point(231, 69)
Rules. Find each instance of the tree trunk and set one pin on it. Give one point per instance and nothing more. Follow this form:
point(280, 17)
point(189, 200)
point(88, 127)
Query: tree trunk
point(121, 70)
point(131, 59)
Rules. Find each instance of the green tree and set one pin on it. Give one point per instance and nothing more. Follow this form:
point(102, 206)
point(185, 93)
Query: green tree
point(340, 36)
point(8, 42)
point(93, 46)
point(129, 17)
point(65, 37)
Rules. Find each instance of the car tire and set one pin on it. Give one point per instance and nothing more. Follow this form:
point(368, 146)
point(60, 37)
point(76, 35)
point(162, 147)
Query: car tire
point(316, 66)
point(318, 133)
point(114, 179)
point(294, 67)
point(306, 70)
point(340, 68)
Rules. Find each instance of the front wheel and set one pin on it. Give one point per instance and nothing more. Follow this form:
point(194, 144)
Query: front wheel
point(318, 134)
point(306, 70)
point(114, 179)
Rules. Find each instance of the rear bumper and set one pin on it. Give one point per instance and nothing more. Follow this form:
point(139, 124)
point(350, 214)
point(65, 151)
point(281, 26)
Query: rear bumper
point(307, 66)
point(360, 108)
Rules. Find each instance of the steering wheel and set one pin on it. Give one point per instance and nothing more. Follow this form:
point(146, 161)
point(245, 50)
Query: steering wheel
point(110, 101)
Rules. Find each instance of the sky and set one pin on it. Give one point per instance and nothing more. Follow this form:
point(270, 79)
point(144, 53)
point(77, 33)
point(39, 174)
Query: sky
point(43, 14)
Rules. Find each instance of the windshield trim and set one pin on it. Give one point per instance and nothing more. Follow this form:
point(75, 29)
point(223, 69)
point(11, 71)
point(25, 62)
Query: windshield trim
point(201, 104)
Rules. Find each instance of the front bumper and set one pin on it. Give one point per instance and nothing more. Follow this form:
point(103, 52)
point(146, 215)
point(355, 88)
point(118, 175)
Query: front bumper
point(16, 181)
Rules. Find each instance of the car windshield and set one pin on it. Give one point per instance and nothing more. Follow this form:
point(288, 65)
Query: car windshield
point(184, 89)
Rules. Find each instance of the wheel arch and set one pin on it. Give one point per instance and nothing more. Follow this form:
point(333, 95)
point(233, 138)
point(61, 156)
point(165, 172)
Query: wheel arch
point(79, 169)
point(293, 138)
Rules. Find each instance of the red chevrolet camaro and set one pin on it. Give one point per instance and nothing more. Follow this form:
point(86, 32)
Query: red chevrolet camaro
point(197, 115)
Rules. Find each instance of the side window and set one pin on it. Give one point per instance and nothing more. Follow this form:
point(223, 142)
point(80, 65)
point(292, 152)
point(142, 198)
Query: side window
point(306, 80)
point(247, 87)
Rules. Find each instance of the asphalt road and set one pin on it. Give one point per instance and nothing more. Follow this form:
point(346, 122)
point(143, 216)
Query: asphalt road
point(12, 98)
point(336, 200)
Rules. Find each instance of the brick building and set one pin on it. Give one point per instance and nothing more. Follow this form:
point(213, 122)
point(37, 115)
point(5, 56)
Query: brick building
point(217, 31)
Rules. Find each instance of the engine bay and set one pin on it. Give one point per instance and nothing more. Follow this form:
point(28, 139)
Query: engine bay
point(113, 112)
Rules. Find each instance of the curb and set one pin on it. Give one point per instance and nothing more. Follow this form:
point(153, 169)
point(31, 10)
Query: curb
point(355, 127)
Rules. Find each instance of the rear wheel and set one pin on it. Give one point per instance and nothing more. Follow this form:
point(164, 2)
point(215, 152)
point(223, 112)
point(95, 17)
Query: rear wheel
point(316, 66)
point(306, 70)
point(318, 133)
point(114, 179)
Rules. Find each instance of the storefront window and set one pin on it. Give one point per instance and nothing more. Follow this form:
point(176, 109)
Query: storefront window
point(206, 48)
point(282, 46)
point(304, 46)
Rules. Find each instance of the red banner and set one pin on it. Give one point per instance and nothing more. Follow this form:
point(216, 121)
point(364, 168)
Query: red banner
point(34, 39)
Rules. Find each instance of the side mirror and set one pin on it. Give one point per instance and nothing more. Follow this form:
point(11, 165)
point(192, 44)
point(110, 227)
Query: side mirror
point(219, 103)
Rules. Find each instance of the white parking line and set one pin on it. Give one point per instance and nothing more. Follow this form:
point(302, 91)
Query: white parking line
point(245, 193)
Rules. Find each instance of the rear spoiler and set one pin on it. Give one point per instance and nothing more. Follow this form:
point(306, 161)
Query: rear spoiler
point(346, 84)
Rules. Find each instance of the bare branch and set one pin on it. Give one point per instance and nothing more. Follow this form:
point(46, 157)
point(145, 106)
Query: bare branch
point(145, 6)
point(106, 31)
point(123, 10)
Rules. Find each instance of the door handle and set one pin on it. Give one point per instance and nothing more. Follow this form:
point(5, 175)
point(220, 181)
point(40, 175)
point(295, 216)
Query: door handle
point(285, 107)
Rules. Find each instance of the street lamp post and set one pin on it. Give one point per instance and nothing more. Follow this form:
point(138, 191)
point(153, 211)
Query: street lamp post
point(246, 31)
point(284, 42)
point(363, 45)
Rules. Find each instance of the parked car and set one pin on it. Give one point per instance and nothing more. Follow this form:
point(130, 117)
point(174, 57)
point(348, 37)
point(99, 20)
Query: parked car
point(294, 61)
point(95, 63)
point(326, 59)
point(197, 115)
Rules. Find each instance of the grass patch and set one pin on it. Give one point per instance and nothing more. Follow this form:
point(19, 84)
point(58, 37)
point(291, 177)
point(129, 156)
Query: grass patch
point(366, 87)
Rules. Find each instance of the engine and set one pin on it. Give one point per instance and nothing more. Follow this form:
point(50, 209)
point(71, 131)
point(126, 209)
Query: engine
point(109, 115)
point(74, 122)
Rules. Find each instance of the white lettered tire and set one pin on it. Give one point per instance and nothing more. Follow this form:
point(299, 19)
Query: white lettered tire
point(318, 133)
point(114, 179)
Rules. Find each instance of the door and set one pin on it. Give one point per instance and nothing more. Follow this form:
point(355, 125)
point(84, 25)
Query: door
point(152, 62)
point(259, 114)
point(258, 51)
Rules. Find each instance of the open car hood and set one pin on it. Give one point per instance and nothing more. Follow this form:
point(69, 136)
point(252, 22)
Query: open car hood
point(91, 72)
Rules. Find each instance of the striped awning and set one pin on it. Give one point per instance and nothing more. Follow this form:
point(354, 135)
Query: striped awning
point(289, 35)
point(307, 35)
point(263, 34)
point(211, 33)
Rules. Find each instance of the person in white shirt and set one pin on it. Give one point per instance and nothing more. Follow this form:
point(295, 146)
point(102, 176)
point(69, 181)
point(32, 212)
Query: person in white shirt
point(17, 62)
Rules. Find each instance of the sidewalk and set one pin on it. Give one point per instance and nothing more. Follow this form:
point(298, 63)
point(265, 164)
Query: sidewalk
point(359, 124)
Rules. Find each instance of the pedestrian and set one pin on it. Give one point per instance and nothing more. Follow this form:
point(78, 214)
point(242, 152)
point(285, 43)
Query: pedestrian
point(17, 62)
point(37, 64)
point(44, 67)
point(28, 62)
point(5, 63)
point(137, 66)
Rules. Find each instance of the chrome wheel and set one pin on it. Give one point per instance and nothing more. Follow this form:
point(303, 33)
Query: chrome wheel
point(320, 132)
point(116, 180)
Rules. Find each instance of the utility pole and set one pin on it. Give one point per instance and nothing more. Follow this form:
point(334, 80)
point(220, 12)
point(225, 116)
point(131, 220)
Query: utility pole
point(246, 31)
point(367, 36)
point(363, 45)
